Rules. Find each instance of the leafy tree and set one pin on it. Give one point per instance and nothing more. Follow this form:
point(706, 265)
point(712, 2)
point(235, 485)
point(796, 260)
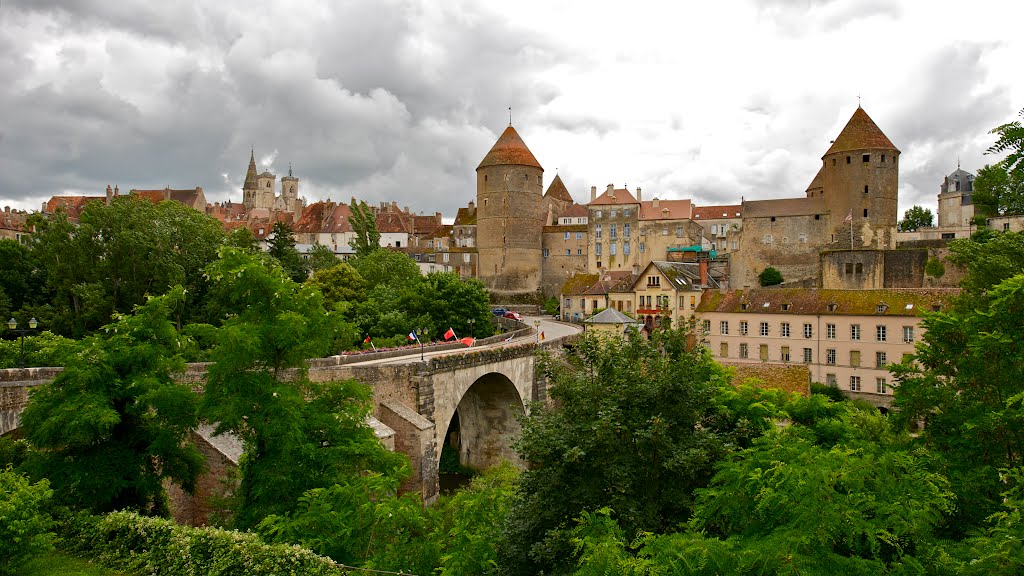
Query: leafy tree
point(997, 552)
point(998, 191)
point(339, 283)
point(551, 306)
point(389, 268)
point(242, 238)
point(281, 246)
point(366, 238)
point(966, 382)
point(44, 349)
point(1011, 139)
point(914, 218)
point(20, 279)
point(443, 300)
point(320, 257)
point(770, 277)
point(934, 268)
point(25, 529)
point(638, 427)
point(989, 259)
point(298, 434)
point(114, 424)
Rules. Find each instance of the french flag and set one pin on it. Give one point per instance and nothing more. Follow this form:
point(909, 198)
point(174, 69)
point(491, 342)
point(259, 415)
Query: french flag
point(412, 336)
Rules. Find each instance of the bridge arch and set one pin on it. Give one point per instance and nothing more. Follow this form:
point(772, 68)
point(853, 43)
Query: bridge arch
point(485, 422)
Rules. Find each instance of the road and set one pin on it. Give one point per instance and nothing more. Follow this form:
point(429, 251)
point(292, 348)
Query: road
point(549, 327)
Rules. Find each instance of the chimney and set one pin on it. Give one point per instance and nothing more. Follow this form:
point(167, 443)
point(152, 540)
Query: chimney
point(167, 193)
point(702, 267)
point(117, 191)
point(593, 193)
point(44, 208)
point(638, 199)
point(655, 203)
point(110, 194)
point(610, 189)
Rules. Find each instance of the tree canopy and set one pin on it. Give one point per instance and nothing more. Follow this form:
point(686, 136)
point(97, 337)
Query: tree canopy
point(770, 276)
point(281, 246)
point(365, 238)
point(915, 217)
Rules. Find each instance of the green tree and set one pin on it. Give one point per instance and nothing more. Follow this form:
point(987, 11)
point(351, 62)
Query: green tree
point(1011, 139)
point(20, 278)
point(388, 268)
point(997, 552)
point(339, 283)
point(966, 382)
point(242, 238)
point(637, 428)
point(366, 238)
point(320, 257)
point(770, 277)
point(281, 246)
point(915, 217)
point(114, 424)
point(988, 259)
point(444, 300)
point(298, 434)
point(26, 523)
point(999, 191)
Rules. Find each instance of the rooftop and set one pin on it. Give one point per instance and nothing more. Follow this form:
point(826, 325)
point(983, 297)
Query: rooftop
point(715, 212)
point(891, 302)
point(614, 196)
point(860, 133)
point(784, 207)
point(558, 191)
point(509, 149)
point(610, 316)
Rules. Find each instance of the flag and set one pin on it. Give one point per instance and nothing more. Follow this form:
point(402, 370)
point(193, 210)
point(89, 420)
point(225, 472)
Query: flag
point(412, 336)
point(849, 216)
point(449, 334)
point(509, 339)
point(541, 335)
point(468, 341)
point(367, 340)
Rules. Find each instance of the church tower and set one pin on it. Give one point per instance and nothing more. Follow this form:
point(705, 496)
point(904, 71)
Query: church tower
point(290, 192)
point(251, 186)
point(510, 217)
point(858, 181)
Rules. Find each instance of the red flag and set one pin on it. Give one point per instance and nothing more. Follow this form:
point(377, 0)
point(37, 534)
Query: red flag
point(449, 334)
point(367, 340)
point(468, 341)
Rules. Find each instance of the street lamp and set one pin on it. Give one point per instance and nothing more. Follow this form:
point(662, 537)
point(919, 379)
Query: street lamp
point(536, 326)
point(420, 333)
point(471, 321)
point(12, 325)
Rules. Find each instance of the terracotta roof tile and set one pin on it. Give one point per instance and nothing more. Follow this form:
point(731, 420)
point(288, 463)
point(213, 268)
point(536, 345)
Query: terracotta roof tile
point(784, 207)
point(579, 283)
point(717, 212)
point(618, 196)
point(558, 191)
point(666, 210)
point(465, 216)
point(574, 211)
point(897, 301)
point(860, 133)
point(392, 222)
point(509, 149)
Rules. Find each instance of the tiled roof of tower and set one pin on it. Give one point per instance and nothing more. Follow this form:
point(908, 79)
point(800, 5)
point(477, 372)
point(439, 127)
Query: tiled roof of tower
point(619, 196)
point(860, 133)
point(717, 212)
point(819, 179)
point(558, 191)
point(509, 149)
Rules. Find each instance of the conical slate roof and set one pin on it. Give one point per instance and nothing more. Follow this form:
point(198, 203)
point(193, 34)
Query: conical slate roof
point(250, 176)
point(860, 133)
point(819, 179)
point(558, 191)
point(509, 149)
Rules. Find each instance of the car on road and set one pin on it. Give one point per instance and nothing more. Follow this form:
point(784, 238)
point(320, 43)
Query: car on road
point(499, 312)
point(514, 316)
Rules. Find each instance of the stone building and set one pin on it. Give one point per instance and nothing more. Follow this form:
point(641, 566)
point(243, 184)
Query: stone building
point(612, 222)
point(956, 205)
point(846, 338)
point(564, 248)
point(510, 218)
point(669, 292)
point(721, 226)
point(258, 191)
point(14, 225)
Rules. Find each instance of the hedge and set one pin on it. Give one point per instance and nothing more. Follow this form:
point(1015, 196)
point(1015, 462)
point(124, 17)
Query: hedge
point(159, 547)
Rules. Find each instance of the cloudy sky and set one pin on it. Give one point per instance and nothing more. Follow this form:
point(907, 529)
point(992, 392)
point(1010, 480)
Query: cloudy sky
point(400, 99)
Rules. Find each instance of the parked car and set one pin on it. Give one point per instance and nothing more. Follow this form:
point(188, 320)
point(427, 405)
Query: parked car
point(514, 316)
point(499, 312)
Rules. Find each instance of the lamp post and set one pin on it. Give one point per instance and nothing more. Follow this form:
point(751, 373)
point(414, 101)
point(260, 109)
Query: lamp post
point(471, 321)
point(536, 327)
point(420, 333)
point(12, 325)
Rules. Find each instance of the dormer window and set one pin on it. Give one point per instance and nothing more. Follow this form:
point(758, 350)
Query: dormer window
point(832, 307)
point(785, 307)
point(744, 305)
point(881, 307)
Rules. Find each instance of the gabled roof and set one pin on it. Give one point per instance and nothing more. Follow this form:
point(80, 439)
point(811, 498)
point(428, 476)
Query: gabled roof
point(717, 212)
point(465, 216)
point(509, 150)
point(666, 210)
point(618, 196)
point(860, 133)
point(574, 211)
point(558, 191)
point(392, 222)
point(784, 207)
point(71, 205)
point(187, 196)
point(579, 283)
point(610, 316)
point(682, 275)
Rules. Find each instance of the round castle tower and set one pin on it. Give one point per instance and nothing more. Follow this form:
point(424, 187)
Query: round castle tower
point(510, 217)
point(858, 179)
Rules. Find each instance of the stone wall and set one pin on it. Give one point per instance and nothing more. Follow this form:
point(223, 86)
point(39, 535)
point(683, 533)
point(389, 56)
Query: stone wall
point(846, 176)
point(510, 220)
point(788, 243)
point(877, 269)
point(557, 265)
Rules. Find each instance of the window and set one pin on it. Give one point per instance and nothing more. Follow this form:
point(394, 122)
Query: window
point(855, 358)
point(612, 231)
point(566, 236)
point(579, 235)
point(693, 302)
point(723, 327)
point(847, 159)
point(854, 383)
point(883, 158)
point(763, 353)
point(724, 351)
point(881, 386)
point(598, 215)
point(786, 307)
point(808, 355)
point(568, 302)
point(830, 356)
point(880, 333)
point(830, 380)
point(579, 251)
point(568, 251)
point(643, 248)
point(613, 214)
point(654, 280)
point(764, 328)
point(808, 331)
point(744, 353)
point(880, 360)
point(865, 188)
point(830, 331)
point(854, 331)
point(612, 247)
point(866, 157)
point(547, 252)
point(865, 212)
point(625, 214)
point(583, 303)
point(743, 327)
point(833, 307)
point(664, 231)
point(783, 330)
point(625, 230)
point(908, 334)
point(597, 251)
point(784, 354)
point(705, 325)
point(465, 257)
point(1006, 226)
point(679, 231)
point(881, 308)
point(597, 231)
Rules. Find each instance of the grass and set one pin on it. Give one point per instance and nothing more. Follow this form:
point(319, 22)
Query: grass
point(61, 564)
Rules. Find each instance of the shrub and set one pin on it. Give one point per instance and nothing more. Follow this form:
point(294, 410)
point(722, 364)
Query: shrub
point(158, 547)
point(833, 393)
point(24, 522)
point(769, 277)
point(934, 268)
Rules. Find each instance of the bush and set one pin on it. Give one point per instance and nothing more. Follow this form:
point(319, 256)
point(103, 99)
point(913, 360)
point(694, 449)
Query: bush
point(158, 547)
point(934, 268)
point(833, 393)
point(24, 522)
point(769, 277)
point(44, 349)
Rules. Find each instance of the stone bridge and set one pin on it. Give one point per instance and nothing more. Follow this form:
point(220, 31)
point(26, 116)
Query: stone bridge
point(467, 397)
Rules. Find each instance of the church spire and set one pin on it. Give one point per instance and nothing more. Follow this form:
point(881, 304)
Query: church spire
point(250, 175)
